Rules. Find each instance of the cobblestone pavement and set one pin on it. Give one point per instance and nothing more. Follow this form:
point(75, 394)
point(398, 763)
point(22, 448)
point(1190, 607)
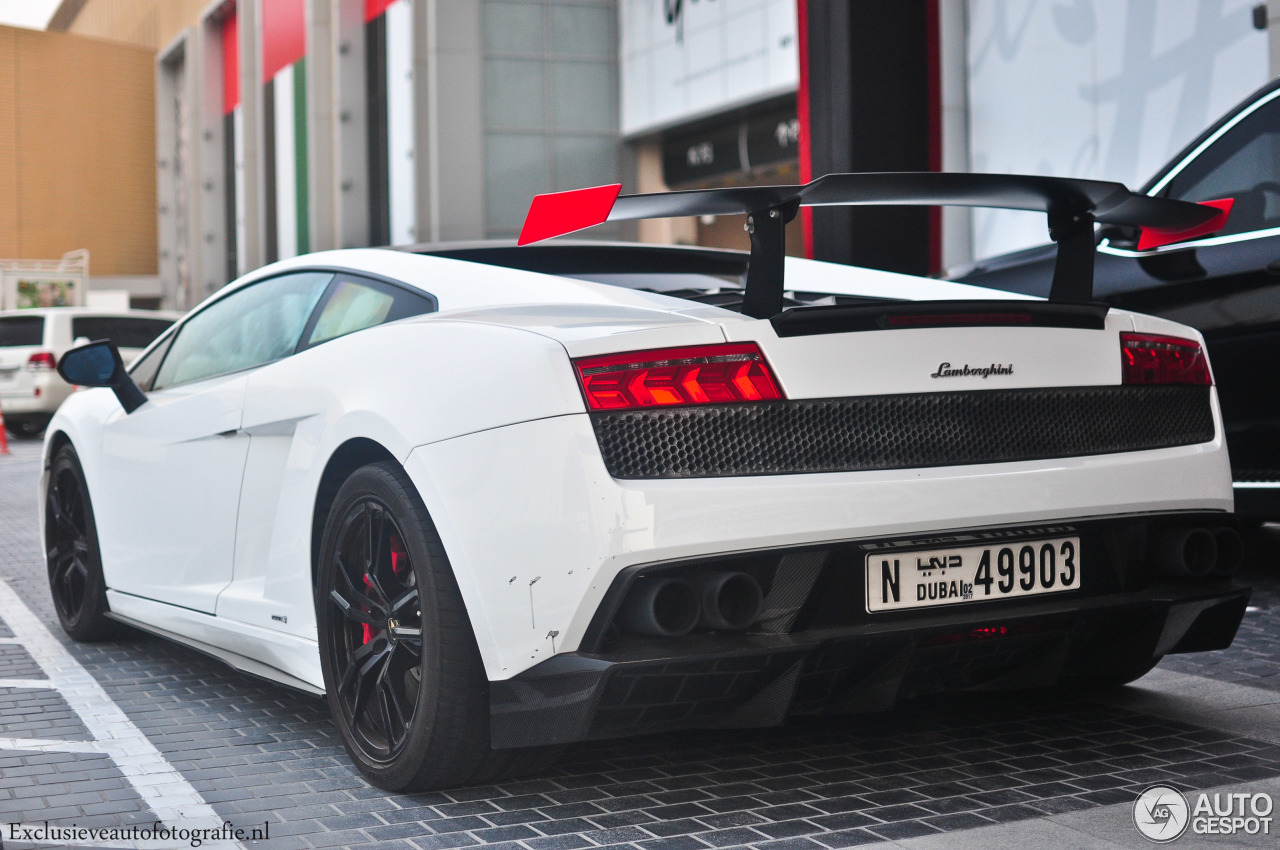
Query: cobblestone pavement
point(258, 753)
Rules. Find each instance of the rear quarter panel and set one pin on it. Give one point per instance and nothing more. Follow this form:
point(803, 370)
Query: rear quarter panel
point(400, 385)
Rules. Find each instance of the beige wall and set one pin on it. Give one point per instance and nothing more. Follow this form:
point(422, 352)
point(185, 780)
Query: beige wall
point(146, 23)
point(77, 150)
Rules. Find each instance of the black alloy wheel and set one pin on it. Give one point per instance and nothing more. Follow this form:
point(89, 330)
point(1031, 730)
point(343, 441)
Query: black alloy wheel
point(72, 555)
point(375, 631)
point(402, 673)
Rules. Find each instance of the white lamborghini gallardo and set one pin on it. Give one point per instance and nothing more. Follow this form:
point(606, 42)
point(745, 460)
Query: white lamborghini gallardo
point(493, 499)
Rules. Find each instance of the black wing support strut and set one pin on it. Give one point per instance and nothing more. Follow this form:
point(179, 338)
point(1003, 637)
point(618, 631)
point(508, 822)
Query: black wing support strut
point(1072, 207)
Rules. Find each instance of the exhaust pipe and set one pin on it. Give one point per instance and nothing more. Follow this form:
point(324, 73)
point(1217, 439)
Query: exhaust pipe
point(729, 600)
point(663, 607)
point(1230, 551)
point(1186, 552)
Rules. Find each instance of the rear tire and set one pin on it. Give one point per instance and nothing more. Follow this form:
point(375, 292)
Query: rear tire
point(26, 426)
point(72, 555)
point(403, 676)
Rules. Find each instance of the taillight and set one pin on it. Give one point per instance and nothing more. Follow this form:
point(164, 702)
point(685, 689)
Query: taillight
point(41, 361)
point(668, 377)
point(1154, 359)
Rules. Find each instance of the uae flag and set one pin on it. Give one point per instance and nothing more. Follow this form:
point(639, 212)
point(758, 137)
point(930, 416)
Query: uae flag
point(284, 112)
point(233, 147)
point(389, 98)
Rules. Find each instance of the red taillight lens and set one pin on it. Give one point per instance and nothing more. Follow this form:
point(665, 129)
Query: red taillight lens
point(41, 361)
point(1153, 359)
point(667, 377)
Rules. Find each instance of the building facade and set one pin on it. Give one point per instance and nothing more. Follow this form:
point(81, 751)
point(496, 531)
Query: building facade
point(285, 126)
point(77, 155)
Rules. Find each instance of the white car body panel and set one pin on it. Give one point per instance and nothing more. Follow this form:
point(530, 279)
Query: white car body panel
point(167, 492)
point(511, 471)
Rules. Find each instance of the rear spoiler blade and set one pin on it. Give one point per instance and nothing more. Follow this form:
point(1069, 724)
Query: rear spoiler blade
point(1072, 207)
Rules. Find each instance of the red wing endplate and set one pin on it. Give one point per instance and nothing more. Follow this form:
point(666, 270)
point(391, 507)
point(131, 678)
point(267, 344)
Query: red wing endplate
point(1154, 237)
point(558, 213)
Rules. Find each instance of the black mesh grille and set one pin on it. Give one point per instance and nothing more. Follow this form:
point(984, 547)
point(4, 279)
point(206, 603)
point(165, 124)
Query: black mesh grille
point(900, 431)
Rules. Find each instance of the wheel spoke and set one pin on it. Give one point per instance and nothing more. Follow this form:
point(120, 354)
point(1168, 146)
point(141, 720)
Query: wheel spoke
point(410, 595)
point(66, 527)
point(365, 684)
point(407, 633)
point(353, 666)
point(381, 685)
point(351, 612)
point(55, 506)
point(77, 510)
point(392, 717)
point(357, 597)
point(375, 559)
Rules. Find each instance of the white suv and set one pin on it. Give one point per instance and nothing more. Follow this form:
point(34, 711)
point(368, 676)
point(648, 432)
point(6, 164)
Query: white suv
point(31, 341)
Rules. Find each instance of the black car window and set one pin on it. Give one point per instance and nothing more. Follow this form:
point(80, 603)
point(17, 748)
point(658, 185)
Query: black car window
point(255, 325)
point(354, 304)
point(143, 370)
point(1244, 164)
point(124, 331)
point(21, 330)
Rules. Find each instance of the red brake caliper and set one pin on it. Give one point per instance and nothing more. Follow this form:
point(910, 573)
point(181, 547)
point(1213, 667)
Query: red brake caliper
point(399, 555)
point(369, 631)
point(399, 563)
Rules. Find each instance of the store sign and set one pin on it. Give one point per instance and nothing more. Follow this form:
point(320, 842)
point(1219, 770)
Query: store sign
point(732, 147)
point(683, 59)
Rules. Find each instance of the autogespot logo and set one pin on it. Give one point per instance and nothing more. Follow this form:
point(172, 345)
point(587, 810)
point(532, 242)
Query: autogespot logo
point(1161, 813)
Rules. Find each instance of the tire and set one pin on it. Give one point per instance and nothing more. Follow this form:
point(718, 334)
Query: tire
point(72, 555)
point(26, 427)
point(404, 681)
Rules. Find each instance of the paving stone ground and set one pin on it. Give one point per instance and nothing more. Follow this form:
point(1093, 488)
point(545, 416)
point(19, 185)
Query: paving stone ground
point(260, 753)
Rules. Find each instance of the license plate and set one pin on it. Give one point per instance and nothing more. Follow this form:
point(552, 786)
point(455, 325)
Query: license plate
point(927, 578)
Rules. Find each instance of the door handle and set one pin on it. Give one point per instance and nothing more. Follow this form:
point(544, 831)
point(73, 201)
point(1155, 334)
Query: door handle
point(1273, 268)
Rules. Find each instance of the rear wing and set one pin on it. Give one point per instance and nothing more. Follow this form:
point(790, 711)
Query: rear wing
point(1072, 207)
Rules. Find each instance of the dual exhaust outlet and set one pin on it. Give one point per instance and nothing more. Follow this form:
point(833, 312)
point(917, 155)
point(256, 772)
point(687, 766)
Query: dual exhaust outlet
point(1197, 552)
point(669, 607)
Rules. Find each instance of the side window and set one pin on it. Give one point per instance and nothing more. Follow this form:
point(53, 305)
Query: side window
point(1244, 163)
point(357, 303)
point(143, 370)
point(255, 325)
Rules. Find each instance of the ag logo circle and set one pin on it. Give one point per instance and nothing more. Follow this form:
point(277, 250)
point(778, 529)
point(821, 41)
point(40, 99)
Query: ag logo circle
point(1161, 813)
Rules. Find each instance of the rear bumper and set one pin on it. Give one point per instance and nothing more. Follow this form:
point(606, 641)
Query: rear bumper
point(537, 530)
point(750, 681)
point(20, 397)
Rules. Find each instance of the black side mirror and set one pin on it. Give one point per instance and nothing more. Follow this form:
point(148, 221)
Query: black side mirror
point(98, 364)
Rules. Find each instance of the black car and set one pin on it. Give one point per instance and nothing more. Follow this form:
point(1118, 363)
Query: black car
point(1226, 284)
